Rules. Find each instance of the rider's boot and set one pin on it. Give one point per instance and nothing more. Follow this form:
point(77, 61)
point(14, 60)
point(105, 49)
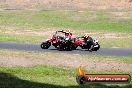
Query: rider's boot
point(90, 49)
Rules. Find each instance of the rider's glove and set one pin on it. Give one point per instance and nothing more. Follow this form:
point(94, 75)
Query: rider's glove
point(62, 30)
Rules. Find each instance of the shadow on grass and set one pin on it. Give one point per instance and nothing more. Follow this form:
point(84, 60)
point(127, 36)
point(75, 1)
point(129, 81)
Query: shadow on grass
point(10, 81)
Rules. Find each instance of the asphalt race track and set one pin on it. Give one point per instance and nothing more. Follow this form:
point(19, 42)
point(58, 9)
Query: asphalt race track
point(101, 52)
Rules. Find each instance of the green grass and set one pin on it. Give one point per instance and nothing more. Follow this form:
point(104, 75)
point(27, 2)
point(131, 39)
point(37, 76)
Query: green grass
point(21, 39)
point(39, 74)
point(79, 22)
point(118, 43)
point(64, 19)
point(45, 77)
point(48, 76)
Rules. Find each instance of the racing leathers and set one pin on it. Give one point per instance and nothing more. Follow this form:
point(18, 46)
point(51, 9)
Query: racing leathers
point(88, 40)
point(67, 34)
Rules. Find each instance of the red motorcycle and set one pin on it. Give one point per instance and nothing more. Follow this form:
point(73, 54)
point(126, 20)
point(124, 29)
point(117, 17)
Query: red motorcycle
point(86, 44)
point(59, 42)
point(62, 43)
point(55, 41)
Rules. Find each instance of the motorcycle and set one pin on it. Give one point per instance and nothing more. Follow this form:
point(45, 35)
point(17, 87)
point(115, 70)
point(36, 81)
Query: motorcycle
point(55, 41)
point(79, 41)
point(58, 42)
point(68, 44)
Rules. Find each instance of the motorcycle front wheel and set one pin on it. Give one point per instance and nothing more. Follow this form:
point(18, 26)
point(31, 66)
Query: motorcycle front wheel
point(45, 45)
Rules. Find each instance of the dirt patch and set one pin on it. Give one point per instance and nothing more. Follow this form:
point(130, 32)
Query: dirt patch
point(27, 32)
point(121, 15)
point(117, 35)
point(31, 33)
point(106, 35)
point(70, 62)
point(50, 31)
point(69, 4)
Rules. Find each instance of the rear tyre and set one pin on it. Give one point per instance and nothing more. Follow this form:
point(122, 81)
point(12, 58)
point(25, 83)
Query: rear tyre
point(45, 45)
point(69, 48)
point(60, 47)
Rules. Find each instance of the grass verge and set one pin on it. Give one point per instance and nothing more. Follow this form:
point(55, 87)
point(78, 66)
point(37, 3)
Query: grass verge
point(21, 39)
point(79, 21)
point(85, 20)
point(46, 77)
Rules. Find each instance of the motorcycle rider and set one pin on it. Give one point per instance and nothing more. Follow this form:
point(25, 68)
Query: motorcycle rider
point(67, 32)
point(67, 43)
point(89, 39)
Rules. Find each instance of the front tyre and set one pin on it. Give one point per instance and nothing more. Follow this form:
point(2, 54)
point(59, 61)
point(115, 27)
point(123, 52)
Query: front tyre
point(45, 45)
point(60, 47)
point(96, 48)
